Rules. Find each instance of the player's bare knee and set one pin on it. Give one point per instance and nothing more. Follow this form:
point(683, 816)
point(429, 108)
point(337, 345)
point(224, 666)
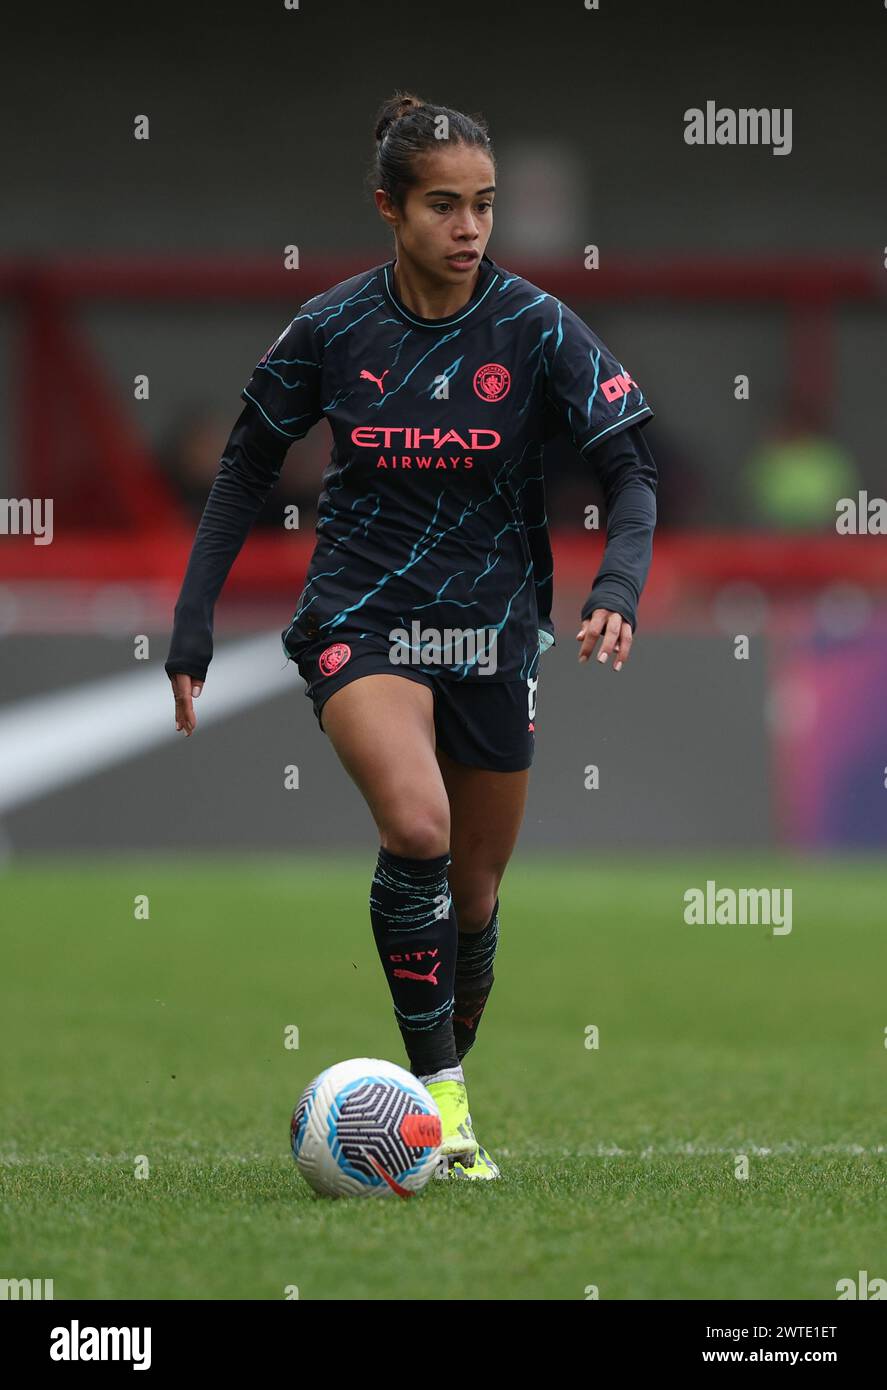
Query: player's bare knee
point(474, 910)
point(424, 836)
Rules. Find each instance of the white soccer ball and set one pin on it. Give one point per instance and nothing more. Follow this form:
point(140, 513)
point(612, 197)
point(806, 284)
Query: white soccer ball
point(366, 1128)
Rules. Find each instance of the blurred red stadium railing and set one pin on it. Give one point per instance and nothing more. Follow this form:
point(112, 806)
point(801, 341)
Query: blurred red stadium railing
point(144, 533)
point(691, 558)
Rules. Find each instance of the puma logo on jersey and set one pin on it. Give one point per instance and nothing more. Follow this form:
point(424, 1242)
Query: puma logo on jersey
point(368, 376)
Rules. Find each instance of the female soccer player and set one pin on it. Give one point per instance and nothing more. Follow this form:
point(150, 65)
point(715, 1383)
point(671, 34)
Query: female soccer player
point(427, 600)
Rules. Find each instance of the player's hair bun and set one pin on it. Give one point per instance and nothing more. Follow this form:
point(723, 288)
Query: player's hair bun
point(402, 143)
point(399, 105)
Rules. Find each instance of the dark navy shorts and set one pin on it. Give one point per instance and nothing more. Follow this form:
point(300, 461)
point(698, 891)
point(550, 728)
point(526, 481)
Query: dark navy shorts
point(480, 723)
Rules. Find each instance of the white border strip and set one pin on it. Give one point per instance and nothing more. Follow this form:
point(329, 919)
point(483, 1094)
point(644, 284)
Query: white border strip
point(49, 741)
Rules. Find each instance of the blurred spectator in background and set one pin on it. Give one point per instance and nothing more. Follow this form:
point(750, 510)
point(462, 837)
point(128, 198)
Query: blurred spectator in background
point(545, 186)
point(683, 493)
point(190, 456)
point(682, 500)
point(190, 461)
point(796, 475)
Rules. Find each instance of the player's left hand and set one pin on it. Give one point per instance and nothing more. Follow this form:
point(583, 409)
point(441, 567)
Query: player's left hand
point(616, 633)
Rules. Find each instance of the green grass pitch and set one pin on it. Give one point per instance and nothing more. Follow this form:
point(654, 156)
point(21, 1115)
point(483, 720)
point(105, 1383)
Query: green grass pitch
point(165, 1038)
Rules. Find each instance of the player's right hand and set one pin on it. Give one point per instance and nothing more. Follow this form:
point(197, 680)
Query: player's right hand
point(185, 690)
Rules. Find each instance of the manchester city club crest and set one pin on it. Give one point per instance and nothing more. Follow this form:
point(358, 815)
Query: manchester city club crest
point(491, 382)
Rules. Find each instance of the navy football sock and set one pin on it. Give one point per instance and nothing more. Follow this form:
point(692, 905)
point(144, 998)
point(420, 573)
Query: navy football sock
point(415, 929)
point(474, 980)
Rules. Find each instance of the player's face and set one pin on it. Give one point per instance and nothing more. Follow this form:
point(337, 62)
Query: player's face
point(448, 214)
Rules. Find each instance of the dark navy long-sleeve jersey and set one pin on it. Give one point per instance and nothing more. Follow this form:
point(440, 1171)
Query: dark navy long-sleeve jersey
point(433, 503)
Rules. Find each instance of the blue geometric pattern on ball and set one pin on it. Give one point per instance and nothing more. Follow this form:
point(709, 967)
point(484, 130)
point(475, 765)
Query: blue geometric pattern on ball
point(299, 1121)
point(364, 1119)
